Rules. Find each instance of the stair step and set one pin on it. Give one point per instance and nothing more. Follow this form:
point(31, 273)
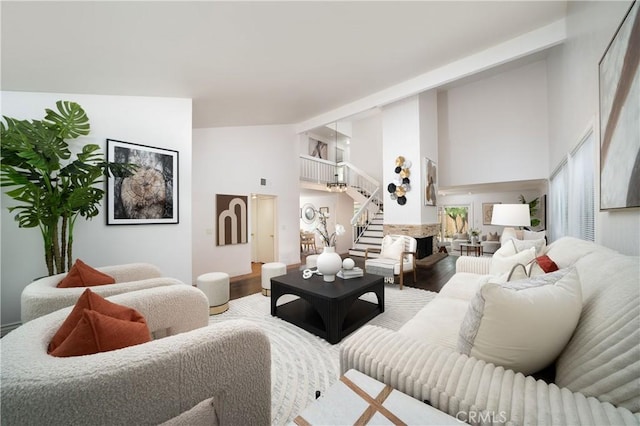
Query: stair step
point(355, 252)
point(371, 239)
point(360, 253)
point(363, 247)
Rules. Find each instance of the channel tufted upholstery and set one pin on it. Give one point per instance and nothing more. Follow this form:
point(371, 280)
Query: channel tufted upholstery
point(597, 380)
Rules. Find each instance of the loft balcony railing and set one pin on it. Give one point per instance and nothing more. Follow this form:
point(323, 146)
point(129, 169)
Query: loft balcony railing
point(319, 171)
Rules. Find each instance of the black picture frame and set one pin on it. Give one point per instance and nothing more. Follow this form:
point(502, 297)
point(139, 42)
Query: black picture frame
point(619, 108)
point(150, 196)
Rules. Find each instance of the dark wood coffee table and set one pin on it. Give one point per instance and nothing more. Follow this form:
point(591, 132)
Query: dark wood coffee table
point(328, 310)
point(476, 247)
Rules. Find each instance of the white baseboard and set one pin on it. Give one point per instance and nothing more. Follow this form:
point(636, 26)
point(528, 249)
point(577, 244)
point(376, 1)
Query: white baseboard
point(5, 328)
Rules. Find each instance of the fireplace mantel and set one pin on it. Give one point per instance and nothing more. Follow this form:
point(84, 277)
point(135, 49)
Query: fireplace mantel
point(415, 231)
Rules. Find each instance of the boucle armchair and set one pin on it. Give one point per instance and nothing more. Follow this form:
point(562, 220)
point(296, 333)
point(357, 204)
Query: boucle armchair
point(42, 297)
point(597, 374)
point(219, 374)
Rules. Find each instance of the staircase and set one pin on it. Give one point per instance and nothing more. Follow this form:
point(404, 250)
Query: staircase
point(371, 237)
point(364, 190)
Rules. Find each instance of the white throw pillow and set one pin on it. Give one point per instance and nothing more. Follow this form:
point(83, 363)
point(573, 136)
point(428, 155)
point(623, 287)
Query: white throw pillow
point(508, 248)
point(522, 325)
point(392, 250)
point(503, 264)
point(522, 245)
point(509, 233)
point(532, 235)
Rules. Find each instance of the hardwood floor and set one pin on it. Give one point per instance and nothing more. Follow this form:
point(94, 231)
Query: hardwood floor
point(431, 275)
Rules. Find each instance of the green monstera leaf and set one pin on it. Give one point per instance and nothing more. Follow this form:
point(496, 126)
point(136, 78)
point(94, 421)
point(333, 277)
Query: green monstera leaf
point(70, 120)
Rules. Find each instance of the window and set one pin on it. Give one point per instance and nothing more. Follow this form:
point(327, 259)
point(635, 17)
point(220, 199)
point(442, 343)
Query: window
point(453, 220)
point(581, 190)
point(558, 190)
point(572, 194)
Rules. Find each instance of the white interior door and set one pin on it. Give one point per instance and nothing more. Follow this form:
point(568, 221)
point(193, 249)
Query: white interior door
point(265, 238)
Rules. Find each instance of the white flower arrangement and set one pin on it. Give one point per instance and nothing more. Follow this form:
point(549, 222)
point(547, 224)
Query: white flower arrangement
point(329, 240)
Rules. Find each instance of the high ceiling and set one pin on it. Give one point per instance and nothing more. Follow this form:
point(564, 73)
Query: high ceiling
point(249, 63)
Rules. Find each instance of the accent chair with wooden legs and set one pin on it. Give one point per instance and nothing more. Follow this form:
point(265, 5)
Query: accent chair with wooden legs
point(397, 255)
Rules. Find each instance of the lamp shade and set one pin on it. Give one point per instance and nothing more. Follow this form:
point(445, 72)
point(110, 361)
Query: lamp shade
point(511, 215)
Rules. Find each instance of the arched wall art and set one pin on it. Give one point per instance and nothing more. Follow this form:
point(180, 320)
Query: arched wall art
point(231, 219)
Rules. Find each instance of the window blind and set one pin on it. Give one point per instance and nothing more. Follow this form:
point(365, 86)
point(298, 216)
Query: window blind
point(572, 194)
point(558, 189)
point(581, 191)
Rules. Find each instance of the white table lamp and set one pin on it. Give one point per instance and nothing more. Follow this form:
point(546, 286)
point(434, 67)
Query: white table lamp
point(511, 215)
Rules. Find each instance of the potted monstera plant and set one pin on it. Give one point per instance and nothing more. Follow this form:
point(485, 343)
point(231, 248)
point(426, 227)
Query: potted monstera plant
point(533, 209)
point(53, 182)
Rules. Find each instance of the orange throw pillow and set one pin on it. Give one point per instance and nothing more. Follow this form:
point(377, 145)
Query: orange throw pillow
point(547, 264)
point(94, 302)
point(101, 333)
point(83, 275)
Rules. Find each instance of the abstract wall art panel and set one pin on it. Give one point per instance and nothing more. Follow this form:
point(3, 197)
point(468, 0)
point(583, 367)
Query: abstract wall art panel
point(619, 75)
point(231, 219)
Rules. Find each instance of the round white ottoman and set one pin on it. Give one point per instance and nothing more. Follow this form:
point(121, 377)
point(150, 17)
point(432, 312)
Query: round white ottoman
point(270, 270)
point(312, 261)
point(216, 286)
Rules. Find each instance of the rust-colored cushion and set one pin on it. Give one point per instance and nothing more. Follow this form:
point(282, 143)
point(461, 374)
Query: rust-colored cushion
point(546, 263)
point(83, 275)
point(96, 332)
point(94, 302)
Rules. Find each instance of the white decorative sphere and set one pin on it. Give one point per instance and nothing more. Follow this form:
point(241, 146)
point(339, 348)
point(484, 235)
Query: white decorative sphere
point(348, 263)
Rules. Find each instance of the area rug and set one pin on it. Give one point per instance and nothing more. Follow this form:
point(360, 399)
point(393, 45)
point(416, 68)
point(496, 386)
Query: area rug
point(302, 363)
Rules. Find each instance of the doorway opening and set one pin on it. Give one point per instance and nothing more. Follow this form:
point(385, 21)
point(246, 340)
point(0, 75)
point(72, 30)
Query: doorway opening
point(264, 239)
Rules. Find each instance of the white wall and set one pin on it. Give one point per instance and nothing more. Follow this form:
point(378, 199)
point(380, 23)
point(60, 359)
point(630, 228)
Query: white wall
point(401, 137)
point(428, 102)
point(232, 160)
point(366, 146)
point(158, 122)
point(573, 100)
point(495, 129)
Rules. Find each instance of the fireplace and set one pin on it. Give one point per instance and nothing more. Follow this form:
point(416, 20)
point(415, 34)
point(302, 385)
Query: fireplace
point(425, 247)
point(424, 234)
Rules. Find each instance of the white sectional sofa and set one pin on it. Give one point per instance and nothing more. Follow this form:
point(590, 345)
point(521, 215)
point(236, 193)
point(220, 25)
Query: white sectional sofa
point(597, 370)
